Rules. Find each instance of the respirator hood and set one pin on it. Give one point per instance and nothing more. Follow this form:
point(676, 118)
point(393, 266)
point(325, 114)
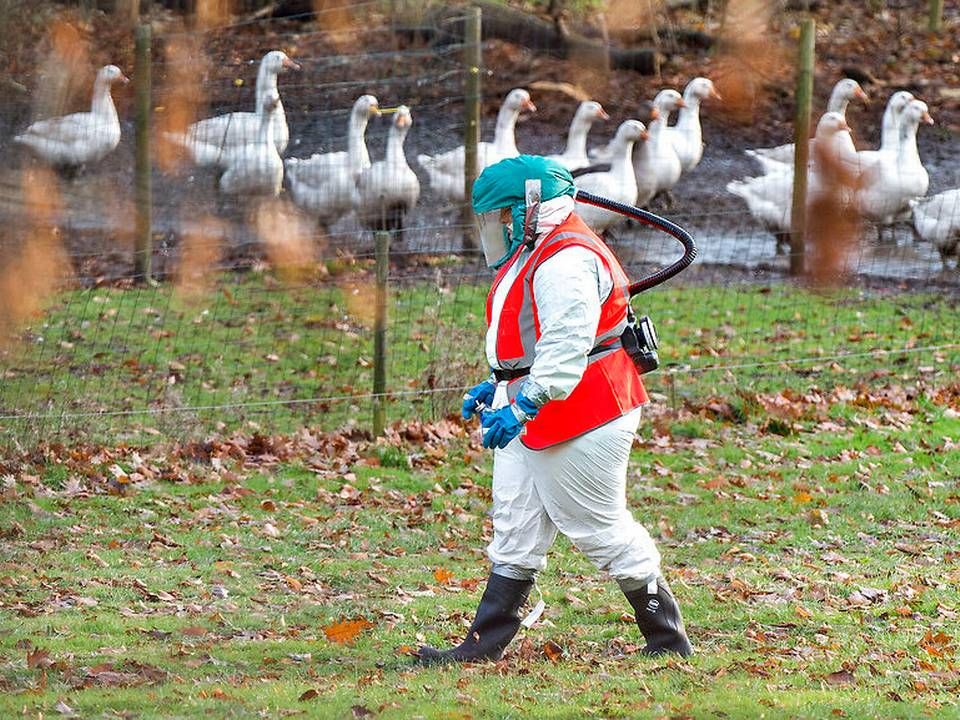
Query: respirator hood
point(521, 184)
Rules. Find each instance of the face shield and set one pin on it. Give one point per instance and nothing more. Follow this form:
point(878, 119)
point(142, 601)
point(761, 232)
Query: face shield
point(494, 238)
point(500, 230)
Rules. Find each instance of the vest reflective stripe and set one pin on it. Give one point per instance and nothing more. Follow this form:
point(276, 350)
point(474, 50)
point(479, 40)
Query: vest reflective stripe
point(610, 386)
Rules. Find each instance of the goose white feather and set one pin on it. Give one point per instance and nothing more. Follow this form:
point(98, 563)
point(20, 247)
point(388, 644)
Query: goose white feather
point(898, 176)
point(770, 197)
point(889, 131)
point(446, 170)
point(937, 220)
point(389, 189)
point(574, 156)
point(841, 95)
point(79, 138)
point(256, 167)
point(662, 168)
point(687, 135)
point(207, 141)
point(618, 183)
point(325, 185)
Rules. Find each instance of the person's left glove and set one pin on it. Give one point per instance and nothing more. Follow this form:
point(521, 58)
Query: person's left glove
point(501, 426)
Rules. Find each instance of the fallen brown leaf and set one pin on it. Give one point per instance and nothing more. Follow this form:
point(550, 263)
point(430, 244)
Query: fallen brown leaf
point(345, 631)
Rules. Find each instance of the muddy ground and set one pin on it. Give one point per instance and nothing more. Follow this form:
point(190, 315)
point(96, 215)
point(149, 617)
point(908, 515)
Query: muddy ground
point(95, 215)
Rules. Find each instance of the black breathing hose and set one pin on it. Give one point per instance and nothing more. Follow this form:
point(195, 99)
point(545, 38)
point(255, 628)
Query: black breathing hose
point(655, 221)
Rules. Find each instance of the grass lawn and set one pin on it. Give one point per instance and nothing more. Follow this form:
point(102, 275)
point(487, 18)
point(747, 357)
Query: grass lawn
point(808, 515)
point(133, 364)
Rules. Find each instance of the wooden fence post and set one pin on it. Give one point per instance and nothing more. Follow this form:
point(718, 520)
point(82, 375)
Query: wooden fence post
point(801, 152)
point(142, 189)
point(473, 60)
point(935, 21)
point(382, 240)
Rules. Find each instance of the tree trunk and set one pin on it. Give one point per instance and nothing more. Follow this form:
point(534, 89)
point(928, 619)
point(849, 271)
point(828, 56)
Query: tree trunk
point(445, 25)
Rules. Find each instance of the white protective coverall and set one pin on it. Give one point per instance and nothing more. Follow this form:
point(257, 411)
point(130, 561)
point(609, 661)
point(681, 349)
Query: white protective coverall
point(577, 487)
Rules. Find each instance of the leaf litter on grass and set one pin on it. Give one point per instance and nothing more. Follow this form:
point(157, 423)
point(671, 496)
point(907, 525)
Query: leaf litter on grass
point(769, 590)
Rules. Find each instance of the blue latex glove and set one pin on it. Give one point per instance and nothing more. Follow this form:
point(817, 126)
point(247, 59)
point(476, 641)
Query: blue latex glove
point(481, 394)
point(503, 425)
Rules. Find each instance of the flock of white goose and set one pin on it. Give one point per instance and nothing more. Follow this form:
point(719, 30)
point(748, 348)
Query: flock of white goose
point(638, 164)
point(882, 186)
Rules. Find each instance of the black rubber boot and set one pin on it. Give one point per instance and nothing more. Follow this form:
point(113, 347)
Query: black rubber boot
point(497, 621)
point(658, 617)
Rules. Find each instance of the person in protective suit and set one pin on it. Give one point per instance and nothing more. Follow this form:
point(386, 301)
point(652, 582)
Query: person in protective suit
point(561, 408)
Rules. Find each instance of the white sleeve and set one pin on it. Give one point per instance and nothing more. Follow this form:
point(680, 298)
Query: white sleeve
point(568, 290)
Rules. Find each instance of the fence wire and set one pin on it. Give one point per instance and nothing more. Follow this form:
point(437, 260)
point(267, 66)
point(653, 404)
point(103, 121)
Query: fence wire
point(264, 312)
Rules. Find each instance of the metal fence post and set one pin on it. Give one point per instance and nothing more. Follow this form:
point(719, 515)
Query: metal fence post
point(935, 21)
point(382, 240)
point(473, 59)
point(141, 78)
point(801, 151)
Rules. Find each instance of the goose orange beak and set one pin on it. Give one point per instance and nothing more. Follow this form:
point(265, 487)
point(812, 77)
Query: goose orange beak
point(927, 118)
point(859, 93)
point(288, 63)
point(528, 105)
point(602, 114)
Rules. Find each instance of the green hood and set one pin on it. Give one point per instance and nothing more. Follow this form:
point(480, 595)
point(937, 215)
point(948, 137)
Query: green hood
point(503, 185)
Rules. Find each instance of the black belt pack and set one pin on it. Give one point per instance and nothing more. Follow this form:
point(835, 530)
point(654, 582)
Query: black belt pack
point(640, 341)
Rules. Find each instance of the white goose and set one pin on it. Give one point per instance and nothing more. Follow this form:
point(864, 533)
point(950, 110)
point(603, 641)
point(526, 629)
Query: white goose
point(256, 168)
point(770, 197)
point(325, 185)
point(574, 156)
point(389, 189)
point(208, 140)
point(889, 130)
point(687, 135)
point(446, 170)
point(618, 183)
point(74, 140)
point(843, 92)
point(663, 167)
point(937, 220)
point(888, 185)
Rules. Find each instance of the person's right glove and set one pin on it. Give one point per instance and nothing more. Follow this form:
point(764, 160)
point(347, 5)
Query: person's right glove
point(501, 426)
point(477, 397)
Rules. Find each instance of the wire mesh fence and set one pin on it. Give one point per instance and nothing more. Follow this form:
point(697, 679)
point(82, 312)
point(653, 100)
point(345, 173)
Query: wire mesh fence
point(265, 308)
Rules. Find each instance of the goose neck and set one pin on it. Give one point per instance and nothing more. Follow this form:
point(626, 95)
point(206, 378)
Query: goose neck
point(655, 129)
point(622, 159)
point(577, 137)
point(356, 144)
point(908, 142)
point(504, 137)
point(395, 140)
point(689, 117)
point(689, 114)
point(266, 81)
point(838, 103)
point(102, 103)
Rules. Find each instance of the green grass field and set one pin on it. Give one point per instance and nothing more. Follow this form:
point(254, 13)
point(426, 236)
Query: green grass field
point(808, 515)
point(113, 364)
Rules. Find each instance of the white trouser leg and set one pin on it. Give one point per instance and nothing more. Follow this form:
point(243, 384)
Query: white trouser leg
point(522, 530)
point(582, 486)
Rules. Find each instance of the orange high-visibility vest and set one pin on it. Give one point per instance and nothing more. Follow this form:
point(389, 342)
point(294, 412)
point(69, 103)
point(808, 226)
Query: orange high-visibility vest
point(610, 385)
